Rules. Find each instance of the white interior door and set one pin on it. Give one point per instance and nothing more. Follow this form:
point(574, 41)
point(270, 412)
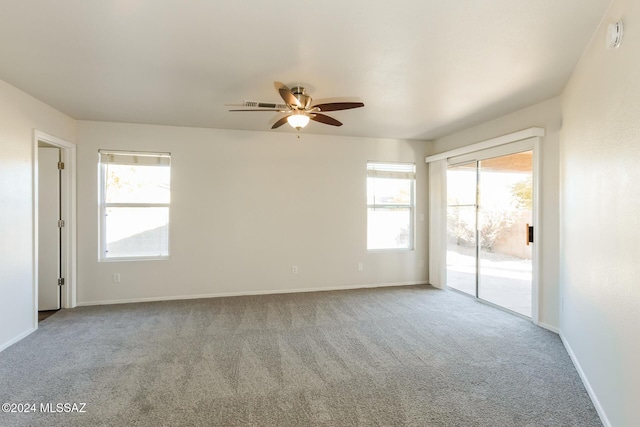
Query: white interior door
point(48, 230)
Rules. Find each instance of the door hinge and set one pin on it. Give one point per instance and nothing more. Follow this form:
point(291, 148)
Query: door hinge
point(60, 281)
point(60, 165)
point(60, 223)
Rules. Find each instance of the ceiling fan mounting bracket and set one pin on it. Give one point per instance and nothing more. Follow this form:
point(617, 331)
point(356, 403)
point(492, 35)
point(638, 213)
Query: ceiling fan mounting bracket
point(298, 90)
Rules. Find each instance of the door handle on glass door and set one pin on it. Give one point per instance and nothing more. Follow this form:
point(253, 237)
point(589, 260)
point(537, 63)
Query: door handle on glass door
point(529, 234)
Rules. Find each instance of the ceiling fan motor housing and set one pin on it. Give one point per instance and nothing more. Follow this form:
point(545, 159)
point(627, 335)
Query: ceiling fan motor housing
point(300, 93)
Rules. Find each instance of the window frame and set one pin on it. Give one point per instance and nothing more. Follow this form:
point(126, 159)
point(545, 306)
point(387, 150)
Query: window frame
point(411, 206)
point(104, 205)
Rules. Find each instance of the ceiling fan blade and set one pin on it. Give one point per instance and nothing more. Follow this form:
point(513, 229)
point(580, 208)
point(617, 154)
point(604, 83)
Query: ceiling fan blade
point(286, 94)
point(280, 122)
point(325, 119)
point(279, 85)
point(257, 104)
point(335, 106)
point(289, 98)
point(262, 109)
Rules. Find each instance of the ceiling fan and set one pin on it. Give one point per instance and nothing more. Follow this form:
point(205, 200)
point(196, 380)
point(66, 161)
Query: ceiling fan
point(298, 108)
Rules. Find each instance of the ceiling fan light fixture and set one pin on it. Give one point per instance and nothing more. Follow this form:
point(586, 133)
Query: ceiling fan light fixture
point(298, 120)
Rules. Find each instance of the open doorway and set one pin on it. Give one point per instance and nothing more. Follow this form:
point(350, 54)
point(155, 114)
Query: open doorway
point(50, 229)
point(54, 225)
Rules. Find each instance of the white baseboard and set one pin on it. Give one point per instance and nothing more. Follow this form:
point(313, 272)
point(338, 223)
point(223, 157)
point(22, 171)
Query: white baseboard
point(585, 381)
point(549, 327)
point(16, 339)
point(245, 293)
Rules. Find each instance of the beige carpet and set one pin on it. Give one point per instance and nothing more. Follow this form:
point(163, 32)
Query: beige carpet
point(389, 356)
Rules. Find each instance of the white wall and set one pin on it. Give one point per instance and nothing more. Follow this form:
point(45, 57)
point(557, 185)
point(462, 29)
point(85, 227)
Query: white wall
point(548, 116)
point(600, 243)
point(20, 114)
point(246, 207)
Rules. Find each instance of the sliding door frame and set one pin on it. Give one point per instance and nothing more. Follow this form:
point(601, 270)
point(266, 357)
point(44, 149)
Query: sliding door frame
point(525, 140)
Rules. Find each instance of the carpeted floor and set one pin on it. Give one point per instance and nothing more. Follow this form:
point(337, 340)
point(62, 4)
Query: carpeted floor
point(376, 357)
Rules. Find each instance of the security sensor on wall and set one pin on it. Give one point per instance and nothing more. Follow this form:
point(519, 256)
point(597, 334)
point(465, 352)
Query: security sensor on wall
point(614, 35)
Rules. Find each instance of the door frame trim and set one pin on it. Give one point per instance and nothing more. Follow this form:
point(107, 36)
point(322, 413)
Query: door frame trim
point(68, 207)
point(489, 143)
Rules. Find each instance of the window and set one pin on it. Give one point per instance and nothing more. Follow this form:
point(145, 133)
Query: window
point(134, 205)
point(390, 205)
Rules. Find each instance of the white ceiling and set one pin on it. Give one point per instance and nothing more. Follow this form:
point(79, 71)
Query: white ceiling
point(423, 68)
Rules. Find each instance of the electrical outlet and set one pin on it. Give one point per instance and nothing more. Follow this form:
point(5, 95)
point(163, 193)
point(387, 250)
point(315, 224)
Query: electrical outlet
point(116, 277)
point(360, 266)
point(294, 269)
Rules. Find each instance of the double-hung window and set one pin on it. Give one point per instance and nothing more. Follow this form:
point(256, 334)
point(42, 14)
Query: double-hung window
point(135, 194)
point(390, 205)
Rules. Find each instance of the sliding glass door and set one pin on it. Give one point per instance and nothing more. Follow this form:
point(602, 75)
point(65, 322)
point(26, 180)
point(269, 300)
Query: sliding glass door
point(489, 215)
point(505, 212)
point(462, 216)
